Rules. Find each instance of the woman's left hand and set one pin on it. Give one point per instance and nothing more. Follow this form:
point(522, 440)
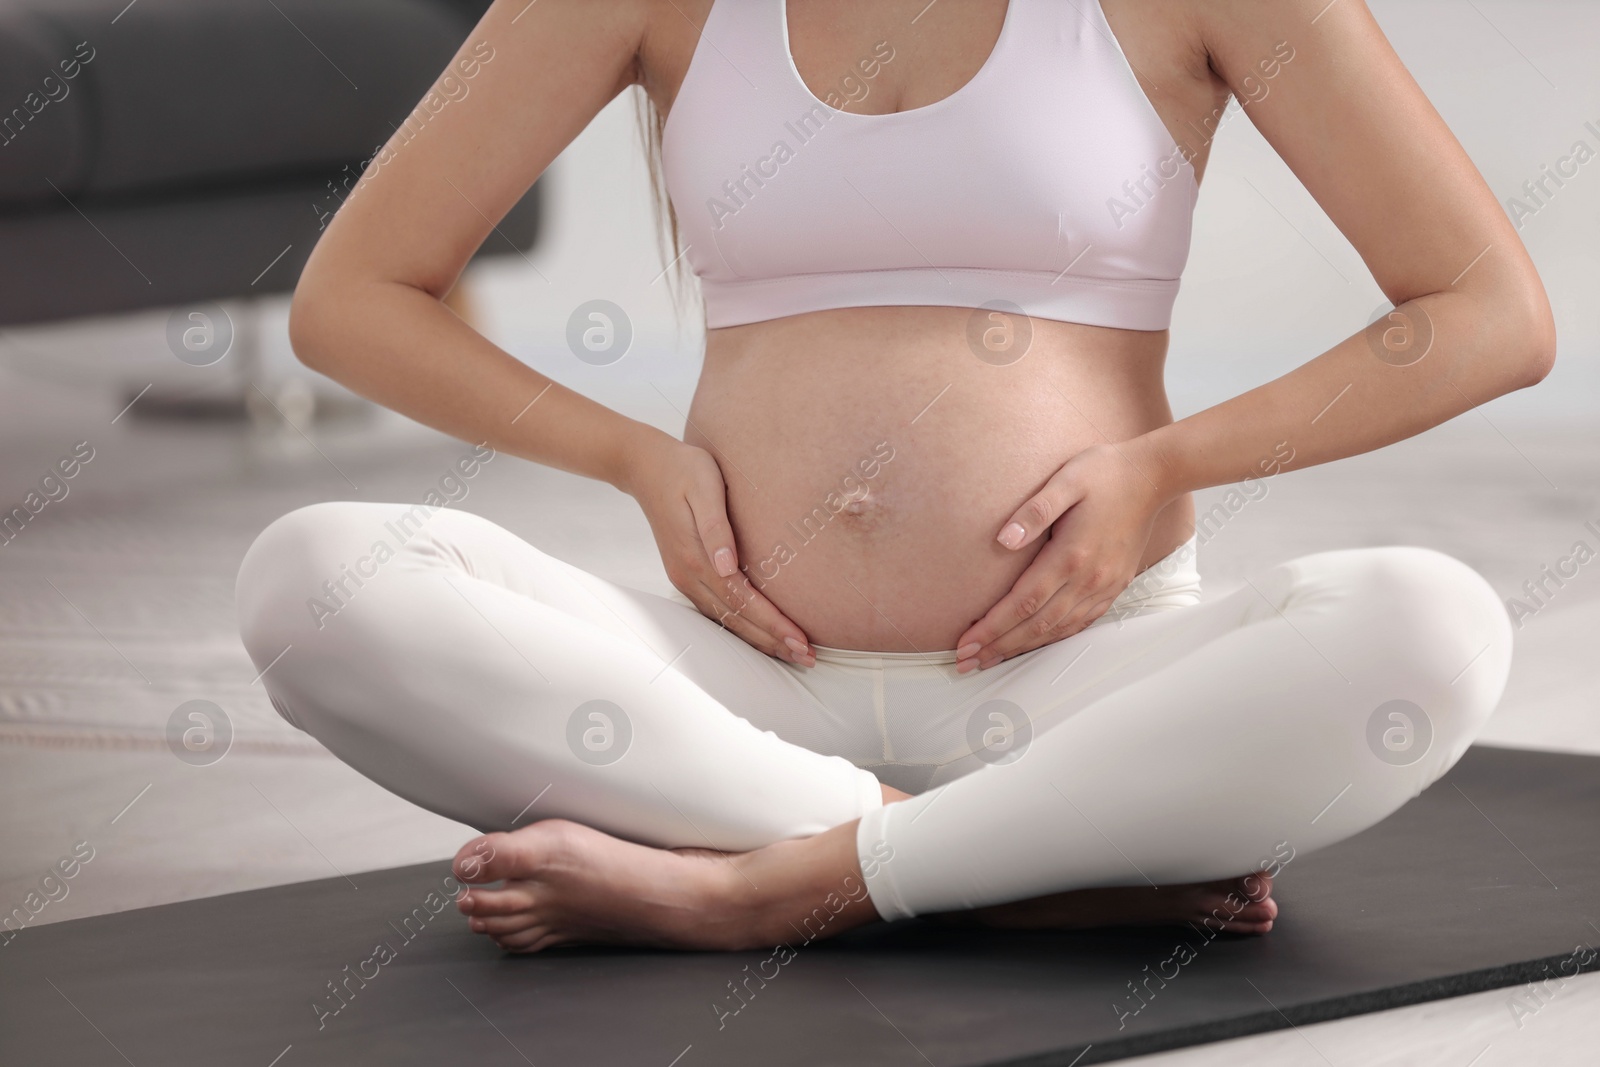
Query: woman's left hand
point(1098, 509)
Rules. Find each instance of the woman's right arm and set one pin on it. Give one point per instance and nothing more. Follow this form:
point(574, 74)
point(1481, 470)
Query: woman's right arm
point(368, 309)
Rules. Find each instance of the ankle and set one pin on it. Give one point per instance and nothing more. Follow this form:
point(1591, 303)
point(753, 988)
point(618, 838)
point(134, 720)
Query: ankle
point(808, 888)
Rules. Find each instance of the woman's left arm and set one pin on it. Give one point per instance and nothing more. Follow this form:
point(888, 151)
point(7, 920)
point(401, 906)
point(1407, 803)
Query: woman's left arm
point(1471, 319)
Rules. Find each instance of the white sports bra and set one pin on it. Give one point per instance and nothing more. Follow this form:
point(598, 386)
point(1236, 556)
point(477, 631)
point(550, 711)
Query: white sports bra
point(1047, 182)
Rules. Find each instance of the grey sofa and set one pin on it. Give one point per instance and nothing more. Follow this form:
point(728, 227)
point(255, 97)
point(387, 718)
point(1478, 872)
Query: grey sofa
point(167, 152)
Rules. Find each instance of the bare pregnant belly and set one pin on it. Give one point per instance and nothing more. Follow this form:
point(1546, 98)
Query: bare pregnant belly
point(871, 456)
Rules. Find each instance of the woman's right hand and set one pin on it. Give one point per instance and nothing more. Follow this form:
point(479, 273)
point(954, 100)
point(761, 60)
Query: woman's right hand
point(681, 489)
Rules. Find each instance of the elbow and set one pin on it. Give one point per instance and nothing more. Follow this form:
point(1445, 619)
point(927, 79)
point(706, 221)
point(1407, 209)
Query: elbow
point(308, 333)
point(1534, 353)
point(1537, 366)
point(1516, 340)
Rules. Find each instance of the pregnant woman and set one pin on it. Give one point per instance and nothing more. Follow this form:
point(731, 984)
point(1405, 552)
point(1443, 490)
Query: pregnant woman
point(940, 648)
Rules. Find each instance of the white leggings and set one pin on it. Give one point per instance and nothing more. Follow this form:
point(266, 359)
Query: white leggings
point(1173, 741)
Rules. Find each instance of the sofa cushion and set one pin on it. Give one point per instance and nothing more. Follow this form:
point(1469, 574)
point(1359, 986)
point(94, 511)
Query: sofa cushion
point(182, 93)
point(44, 110)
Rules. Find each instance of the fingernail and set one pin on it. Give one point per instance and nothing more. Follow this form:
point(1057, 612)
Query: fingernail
point(723, 560)
point(796, 647)
point(1012, 535)
point(965, 665)
point(968, 650)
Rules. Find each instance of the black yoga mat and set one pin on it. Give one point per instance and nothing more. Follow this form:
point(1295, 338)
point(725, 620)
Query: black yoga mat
point(1491, 878)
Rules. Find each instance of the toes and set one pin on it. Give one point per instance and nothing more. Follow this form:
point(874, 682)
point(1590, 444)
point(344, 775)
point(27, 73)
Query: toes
point(481, 860)
point(500, 925)
point(522, 853)
point(1256, 913)
point(1256, 887)
point(1229, 911)
point(484, 902)
point(531, 939)
point(1252, 918)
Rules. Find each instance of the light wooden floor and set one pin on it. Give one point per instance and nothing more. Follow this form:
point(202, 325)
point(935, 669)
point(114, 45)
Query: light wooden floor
point(116, 606)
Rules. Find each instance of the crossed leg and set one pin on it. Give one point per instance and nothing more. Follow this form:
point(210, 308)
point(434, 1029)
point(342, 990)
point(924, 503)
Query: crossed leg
point(1304, 707)
point(454, 664)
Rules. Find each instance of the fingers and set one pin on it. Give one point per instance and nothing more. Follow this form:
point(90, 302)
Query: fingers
point(738, 605)
point(1061, 617)
point(732, 600)
point(1039, 511)
point(742, 608)
point(1035, 587)
point(708, 506)
point(1062, 591)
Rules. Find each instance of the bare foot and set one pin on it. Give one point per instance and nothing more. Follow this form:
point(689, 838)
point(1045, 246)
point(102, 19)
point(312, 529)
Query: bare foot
point(565, 883)
point(1241, 905)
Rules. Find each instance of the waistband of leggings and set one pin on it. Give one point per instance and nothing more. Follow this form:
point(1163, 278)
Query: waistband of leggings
point(865, 656)
point(1172, 581)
